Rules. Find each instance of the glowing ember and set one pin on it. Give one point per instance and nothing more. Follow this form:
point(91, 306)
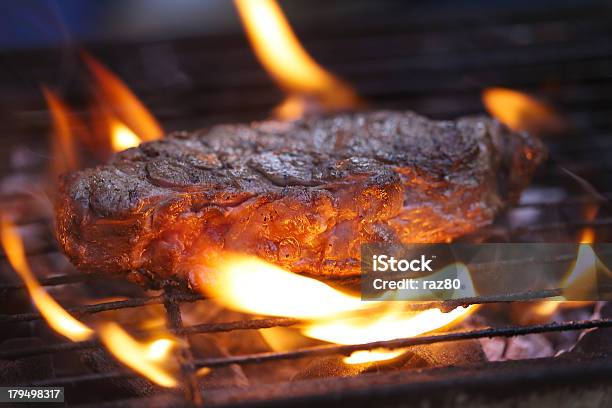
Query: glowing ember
point(369, 356)
point(251, 285)
point(56, 316)
point(125, 105)
point(122, 137)
point(149, 359)
point(282, 55)
point(519, 111)
point(64, 154)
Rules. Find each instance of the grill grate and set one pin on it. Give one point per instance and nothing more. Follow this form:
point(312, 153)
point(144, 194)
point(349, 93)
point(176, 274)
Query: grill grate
point(171, 299)
point(563, 54)
point(328, 350)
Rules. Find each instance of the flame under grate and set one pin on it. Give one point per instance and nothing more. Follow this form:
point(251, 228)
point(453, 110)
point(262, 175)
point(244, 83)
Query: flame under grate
point(171, 298)
point(580, 49)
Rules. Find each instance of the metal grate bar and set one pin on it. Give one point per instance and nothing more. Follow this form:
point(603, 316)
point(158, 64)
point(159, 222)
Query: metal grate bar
point(184, 356)
point(326, 350)
point(182, 296)
point(42, 250)
point(573, 224)
point(81, 277)
point(570, 201)
point(53, 281)
point(266, 323)
point(251, 324)
point(105, 306)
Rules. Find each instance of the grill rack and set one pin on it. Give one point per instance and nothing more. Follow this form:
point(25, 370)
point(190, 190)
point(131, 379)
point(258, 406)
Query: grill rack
point(587, 63)
point(328, 350)
point(181, 296)
point(172, 297)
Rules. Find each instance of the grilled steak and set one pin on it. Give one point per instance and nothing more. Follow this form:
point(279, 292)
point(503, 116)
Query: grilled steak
point(301, 194)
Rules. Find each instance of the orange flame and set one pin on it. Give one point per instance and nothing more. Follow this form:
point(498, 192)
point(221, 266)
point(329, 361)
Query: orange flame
point(280, 52)
point(109, 131)
point(392, 324)
point(119, 120)
point(545, 308)
point(57, 317)
point(579, 271)
point(124, 104)
point(64, 154)
point(149, 359)
point(587, 235)
point(580, 283)
point(122, 137)
point(583, 268)
point(239, 286)
point(519, 111)
point(548, 307)
point(254, 286)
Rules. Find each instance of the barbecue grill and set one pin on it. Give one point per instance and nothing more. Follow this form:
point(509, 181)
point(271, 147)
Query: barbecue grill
point(433, 59)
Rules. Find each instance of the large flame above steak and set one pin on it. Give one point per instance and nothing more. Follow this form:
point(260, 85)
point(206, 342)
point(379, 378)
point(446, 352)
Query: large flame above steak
point(302, 194)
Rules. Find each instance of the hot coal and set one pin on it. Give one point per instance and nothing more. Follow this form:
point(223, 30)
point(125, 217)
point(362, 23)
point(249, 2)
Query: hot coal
point(422, 356)
point(206, 346)
point(330, 367)
point(457, 353)
point(301, 194)
point(25, 370)
point(98, 361)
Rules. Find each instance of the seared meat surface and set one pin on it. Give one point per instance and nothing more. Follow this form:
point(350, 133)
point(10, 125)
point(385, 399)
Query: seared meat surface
point(301, 194)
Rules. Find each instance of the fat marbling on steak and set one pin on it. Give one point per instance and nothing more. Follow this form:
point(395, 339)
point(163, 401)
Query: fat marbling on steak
point(302, 194)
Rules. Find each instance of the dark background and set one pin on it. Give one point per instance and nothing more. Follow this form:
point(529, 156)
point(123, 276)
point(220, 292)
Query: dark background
point(191, 64)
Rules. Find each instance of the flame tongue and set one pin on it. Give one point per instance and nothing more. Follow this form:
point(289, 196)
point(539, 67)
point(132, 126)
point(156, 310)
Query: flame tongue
point(57, 317)
point(251, 285)
point(282, 55)
point(581, 281)
point(125, 105)
point(64, 150)
point(122, 137)
point(152, 359)
point(119, 120)
point(519, 111)
point(146, 358)
point(587, 236)
point(393, 324)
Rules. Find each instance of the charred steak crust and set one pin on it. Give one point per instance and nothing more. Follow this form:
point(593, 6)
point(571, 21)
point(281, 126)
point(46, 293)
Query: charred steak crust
point(301, 194)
